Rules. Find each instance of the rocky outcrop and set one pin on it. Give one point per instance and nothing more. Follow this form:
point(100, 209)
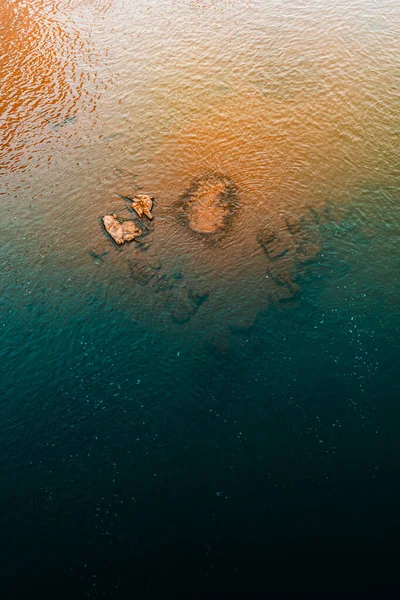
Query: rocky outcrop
point(209, 204)
point(121, 232)
point(142, 205)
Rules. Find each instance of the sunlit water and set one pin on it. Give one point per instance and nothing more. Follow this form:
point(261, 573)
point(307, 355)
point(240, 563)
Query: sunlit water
point(132, 418)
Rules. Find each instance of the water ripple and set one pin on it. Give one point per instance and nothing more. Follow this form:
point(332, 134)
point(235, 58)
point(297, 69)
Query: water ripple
point(48, 79)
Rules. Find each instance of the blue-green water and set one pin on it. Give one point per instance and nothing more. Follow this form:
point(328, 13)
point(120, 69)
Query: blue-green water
point(250, 448)
point(125, 449)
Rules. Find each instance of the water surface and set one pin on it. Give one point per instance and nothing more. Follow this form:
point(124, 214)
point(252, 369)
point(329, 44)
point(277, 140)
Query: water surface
point(143, 432)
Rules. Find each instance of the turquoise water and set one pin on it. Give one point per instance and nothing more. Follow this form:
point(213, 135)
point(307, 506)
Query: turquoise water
point(247, 445)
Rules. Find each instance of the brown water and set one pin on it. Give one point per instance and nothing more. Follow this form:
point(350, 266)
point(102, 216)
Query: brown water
point(296, 102)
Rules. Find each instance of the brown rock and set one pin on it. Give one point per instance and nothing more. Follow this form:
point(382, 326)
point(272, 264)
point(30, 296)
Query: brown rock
point(121, 232)
point(142, 205)
point(209, 204)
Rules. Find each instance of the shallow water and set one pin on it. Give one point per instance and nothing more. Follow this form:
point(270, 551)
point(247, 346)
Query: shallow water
point(135, 418)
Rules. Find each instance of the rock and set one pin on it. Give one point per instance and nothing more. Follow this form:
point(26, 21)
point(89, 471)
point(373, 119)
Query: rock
point(284, 278)
point(293, 225)
point(121, 232)
point(209, 204)
point(307, 251)
point(164, 283)
point(272, 244)
point(184, 303)
point(142, 205)
point(142, 272)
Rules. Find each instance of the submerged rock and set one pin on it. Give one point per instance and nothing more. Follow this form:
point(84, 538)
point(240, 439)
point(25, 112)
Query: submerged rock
point(121, 232)
point(272, 244)
point(209, 204)
point(284, 278)
point(290, 244)
point(142, 205)
point(307, 251)
point(293, 225)
point(180, 301)
point(184, 303)
point(307, 246)
point(142, 272)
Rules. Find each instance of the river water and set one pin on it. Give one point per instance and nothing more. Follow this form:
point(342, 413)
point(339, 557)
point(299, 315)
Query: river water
point(187, 409)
